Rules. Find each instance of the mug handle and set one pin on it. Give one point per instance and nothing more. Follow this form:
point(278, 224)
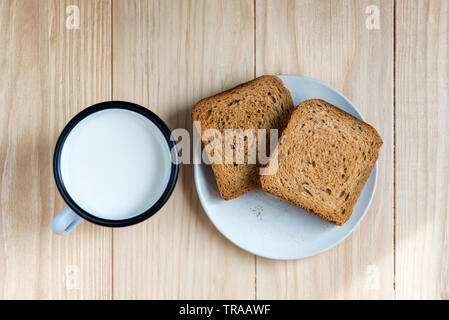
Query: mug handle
point(65, 221)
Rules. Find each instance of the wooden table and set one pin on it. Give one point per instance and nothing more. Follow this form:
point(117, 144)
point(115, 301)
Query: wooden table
point(166, 55)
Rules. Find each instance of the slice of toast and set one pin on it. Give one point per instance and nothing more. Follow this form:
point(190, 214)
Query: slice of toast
point(325, 156)
point(263, 103)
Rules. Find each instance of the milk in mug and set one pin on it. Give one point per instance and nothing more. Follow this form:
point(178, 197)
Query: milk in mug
point(115, 164)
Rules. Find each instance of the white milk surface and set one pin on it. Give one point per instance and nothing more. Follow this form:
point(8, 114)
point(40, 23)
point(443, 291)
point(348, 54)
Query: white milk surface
point(115, 164)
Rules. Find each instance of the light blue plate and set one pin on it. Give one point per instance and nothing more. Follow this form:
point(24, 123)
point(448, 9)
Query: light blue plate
point(271, 227)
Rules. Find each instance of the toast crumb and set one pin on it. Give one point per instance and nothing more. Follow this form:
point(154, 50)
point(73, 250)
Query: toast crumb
point(258, 211)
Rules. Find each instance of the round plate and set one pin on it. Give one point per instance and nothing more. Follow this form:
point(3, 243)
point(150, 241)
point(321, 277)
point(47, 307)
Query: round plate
point(270, 227)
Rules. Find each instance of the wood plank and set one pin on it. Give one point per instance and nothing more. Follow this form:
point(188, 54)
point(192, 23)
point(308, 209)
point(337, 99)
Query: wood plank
point(48, 74)
point(329, 41)
point(167, 56)
point(422, 154)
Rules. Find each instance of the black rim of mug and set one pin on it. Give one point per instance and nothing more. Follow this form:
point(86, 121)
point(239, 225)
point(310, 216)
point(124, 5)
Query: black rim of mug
point(116, 105)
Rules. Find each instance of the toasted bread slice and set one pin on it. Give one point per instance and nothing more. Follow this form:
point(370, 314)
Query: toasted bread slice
point(263, 103)
point(325, 156)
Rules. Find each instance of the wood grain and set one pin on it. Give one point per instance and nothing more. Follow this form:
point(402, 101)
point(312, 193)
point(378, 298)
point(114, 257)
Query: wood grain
point(422, 154)
point(166, 56)
point(328, 41)
point(48, 74)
